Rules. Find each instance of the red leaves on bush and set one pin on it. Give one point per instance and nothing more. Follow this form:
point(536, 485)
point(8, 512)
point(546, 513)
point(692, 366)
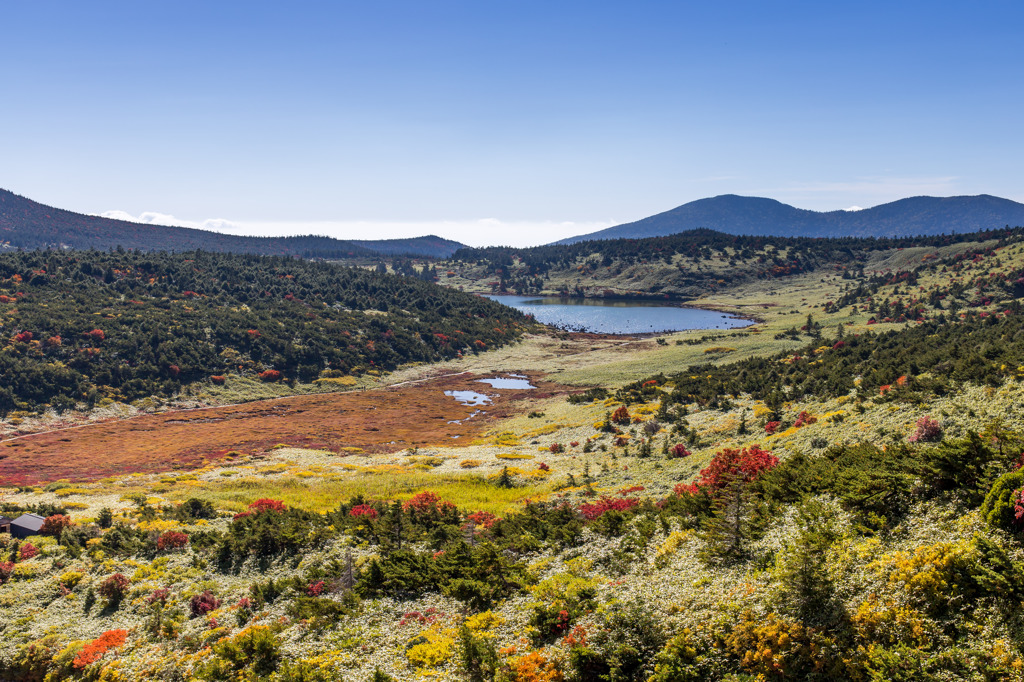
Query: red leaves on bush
point(6, 569)
point(160, 595)
point(172, 539)
point(482, 518)
point(315, 589)
point(595, 510)
point(556, 448)
point(270, 375)
point(114, 587)
point(27, 551)
point(201, 604)
point(543, 467)
point(54, 525)
point(732, 464)
point(678, 451)
point(621, 416)
point(803, 419)
point(264, 504)
point(95, 335)
point(426, 503)
point(363, 510)
point(218, 379)
point(95, 649)
point(771, 427)
point(928, 430)
point(23, 337)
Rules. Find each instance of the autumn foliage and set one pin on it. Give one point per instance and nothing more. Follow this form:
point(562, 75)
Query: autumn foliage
point(94, 650)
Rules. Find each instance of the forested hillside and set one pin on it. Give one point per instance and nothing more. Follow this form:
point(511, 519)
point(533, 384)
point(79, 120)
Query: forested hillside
point(682, 266)
point(83, 326)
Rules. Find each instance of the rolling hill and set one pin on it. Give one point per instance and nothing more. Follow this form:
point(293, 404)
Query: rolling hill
point(758, 216)
point(27, 224)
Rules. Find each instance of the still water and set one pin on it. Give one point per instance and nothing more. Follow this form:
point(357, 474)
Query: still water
point(619, 317)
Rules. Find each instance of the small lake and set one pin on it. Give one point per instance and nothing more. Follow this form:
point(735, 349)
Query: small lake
point(603, 316)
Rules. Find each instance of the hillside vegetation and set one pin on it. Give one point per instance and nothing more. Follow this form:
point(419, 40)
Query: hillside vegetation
point(85, 327)
point(833, 494)
point(684, 266)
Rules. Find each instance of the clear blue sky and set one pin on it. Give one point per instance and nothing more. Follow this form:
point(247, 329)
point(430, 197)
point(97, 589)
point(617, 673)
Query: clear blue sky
point(507, 122)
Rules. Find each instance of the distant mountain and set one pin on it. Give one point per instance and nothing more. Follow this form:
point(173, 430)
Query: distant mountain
point(27, 224)
point(738, 215)
point(431, 245)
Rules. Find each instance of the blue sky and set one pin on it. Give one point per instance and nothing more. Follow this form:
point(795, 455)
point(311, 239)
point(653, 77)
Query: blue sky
point(501, 122)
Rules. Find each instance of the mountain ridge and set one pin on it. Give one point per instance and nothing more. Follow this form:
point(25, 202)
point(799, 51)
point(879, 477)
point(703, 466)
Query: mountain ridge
point(28, 224)
point(761, 216)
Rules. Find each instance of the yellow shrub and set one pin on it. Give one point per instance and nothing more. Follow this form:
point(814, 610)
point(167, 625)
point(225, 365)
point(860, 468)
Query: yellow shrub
point(889, 624)
point(482, 622)
point(670, 546)
point(430, 648)
point(514, 455)
point(506, 438)
point(70, 578)
point(470, 463)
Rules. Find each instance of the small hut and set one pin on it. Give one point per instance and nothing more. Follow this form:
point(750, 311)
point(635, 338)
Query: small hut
point(26, 524)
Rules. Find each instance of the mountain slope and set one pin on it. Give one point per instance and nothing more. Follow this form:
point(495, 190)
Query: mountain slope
point(758, 216)
point(27, 224)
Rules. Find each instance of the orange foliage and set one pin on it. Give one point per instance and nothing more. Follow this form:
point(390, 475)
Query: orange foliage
point(95, 649)
point(533, 667)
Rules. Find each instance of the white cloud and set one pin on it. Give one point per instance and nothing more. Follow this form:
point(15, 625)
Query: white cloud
point(851, 209)
point(154, 218)
point(478, 232)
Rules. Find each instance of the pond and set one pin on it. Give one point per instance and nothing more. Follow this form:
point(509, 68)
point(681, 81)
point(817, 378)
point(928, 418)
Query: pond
point(603, 316)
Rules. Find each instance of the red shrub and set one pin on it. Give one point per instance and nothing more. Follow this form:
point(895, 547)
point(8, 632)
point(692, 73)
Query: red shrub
point(482, 518)
point(27, 551)
point(543, 467)
point(595, 510)
point(54, 525)
point(218, 379)
point(114, 587)
point(678, 451)
point(160, 595)
point(427, 503)
point(6, 569)
point(315, 589)
point(803, 419)
point(928, 431)
point(23, 337)
point(556, 448)
point(771, 427)
point(732, 464)
point(201, 604)
point(270, 375)
point(95, 335)
point(621, 416)
point(172, 539)
point(94, 650)
point(363, 510)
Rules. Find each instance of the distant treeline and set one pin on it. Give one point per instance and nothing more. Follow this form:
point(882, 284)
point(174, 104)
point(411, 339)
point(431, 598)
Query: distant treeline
point(792, 254)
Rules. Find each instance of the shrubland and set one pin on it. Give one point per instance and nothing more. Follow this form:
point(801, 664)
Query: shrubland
point(843, 502)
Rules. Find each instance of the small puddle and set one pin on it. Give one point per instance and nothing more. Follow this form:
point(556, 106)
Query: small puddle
point(519, 382)
point(471, 398)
